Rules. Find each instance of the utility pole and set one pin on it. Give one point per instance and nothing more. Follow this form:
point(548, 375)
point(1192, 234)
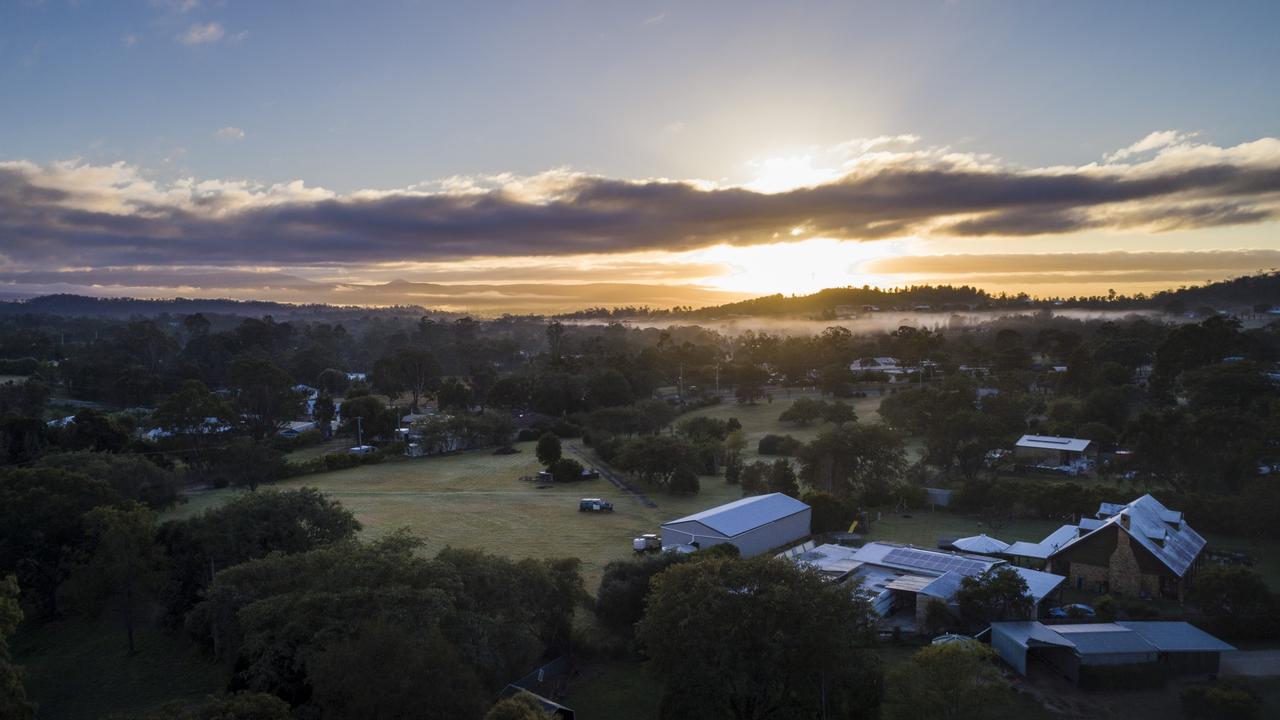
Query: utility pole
point(680, 384)
point(359, 432)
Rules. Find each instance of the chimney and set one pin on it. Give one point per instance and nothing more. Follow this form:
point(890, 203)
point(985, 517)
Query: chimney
point(1124, 520)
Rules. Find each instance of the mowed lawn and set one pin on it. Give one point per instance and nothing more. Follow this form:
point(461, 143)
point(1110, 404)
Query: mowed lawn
point(477, 500)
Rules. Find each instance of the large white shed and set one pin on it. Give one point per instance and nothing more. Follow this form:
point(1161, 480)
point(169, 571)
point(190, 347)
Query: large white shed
point(754, 524)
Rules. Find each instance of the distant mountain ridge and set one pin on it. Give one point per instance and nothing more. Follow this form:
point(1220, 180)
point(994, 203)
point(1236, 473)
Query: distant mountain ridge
point(1235, 294)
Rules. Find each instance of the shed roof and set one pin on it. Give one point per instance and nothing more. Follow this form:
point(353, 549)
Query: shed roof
point(746, 514)
point(1177, 636)
point(1029, 632)
point(1050, 442)
point(1103, 638)
point(910, 583)
point(944, 586)
point(922, 561)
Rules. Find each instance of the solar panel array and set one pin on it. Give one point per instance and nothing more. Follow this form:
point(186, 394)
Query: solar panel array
point(935, 562)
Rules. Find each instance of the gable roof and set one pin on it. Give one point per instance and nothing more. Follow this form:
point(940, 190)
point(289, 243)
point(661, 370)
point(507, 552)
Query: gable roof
point(746, 514)
point(1049, 442)
point(1159, 530)
point(1056, 540)
point(1039, 584)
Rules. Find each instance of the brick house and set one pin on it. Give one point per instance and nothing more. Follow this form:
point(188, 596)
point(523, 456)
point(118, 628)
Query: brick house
point(1141, 549)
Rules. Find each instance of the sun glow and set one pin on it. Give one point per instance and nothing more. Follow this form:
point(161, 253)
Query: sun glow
point(797, 267)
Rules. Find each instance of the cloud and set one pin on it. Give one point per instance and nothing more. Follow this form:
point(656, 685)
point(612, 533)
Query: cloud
point(129, 40)
point(177, 6)
point(72, 213)
point(1154, 141)
point(1243, 261)
point(228, 134)
point(202, 34)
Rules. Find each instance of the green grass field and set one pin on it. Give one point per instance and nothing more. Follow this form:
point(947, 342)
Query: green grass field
point(476, 500)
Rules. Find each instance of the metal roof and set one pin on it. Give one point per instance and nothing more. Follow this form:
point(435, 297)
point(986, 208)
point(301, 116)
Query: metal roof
point(829, 559)
point(1177, 636)
point(944, 586)
point(749, 513)
point(1049, 442)
point(910, 583)
point(1027, 632)
point(1103, 639)
point(981, 544)
point(1039, 584)
point(1046, 547)
point(1158, 529)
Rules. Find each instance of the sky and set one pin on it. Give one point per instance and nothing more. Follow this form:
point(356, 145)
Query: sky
point(473, 154)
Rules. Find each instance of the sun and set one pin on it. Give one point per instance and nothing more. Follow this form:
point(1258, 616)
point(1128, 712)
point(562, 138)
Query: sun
point(804, 266)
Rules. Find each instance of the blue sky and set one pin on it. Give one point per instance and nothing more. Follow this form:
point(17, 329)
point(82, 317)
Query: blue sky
point(386, 95)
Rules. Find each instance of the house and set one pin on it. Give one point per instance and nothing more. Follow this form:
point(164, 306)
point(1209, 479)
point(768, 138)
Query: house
point(1058, 453)
point(1036, 554)
point(901, 580)
point(753, 524)
point(1073, 650)
point(887, 365)
point(1141, 548)
point(294, 428)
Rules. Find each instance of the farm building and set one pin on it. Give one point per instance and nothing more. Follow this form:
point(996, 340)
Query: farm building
point(1072, 649)
point(901, 580)
point(754, 525)
point(1051, 451)
point(1141, 549)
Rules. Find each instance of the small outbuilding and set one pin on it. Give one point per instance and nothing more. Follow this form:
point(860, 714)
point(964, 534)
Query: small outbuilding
point(754, 525)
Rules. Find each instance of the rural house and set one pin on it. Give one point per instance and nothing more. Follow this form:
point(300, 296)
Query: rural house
point(1142, 549)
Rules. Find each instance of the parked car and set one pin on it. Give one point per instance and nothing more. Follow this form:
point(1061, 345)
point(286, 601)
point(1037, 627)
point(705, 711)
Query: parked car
point(361, 450)
point(594, 505)
point(1073, 610)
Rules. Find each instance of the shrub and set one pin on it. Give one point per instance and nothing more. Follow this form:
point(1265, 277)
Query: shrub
point(784, 445)
point(1220, 701)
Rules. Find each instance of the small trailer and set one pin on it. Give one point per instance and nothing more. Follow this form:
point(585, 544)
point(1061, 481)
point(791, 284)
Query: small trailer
point(647, 543)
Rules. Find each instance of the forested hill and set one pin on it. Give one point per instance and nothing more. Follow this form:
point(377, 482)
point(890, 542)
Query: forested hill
point(1250, 290)
point(1237, 294)
point(936, 297)
point(84, 306)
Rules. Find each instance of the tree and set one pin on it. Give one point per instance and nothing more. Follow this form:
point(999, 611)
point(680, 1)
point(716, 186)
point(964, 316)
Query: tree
point(323, 412)
point(956, 681)
point(193, 415)
point(250, 526)
point(609, 388)
point(803, 411)
point(13, 696)
point(454, 396)
point(765, 632)
point(1235, 600)
point(392, 669)
point(132, 477)
point(828, 512)
point(548, 450)
point(375, 419)
point(42, 526)
point(782, 478)
point(418, 369)
point(656, 458)
point(332, 382)
point(124, 568)
point(565, 470)
point(521, 706)
point(264, 396)
point(624, 588)
point(754, 478)
point(999, 594)
point(855, 458)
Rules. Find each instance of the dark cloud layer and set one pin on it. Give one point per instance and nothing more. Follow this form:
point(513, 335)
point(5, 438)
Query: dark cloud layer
point(50, 221)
